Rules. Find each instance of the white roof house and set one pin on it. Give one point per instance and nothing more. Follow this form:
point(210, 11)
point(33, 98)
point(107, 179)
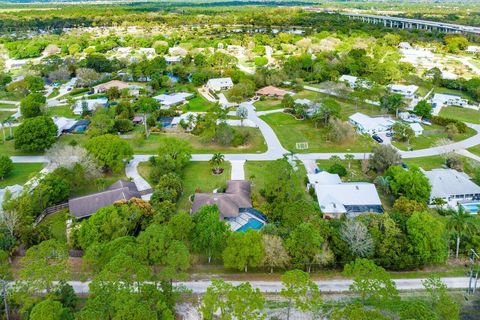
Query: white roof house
point(369, 125)
point(312, 106)
point(172, 99)
point(185, 117)
point(89, 104)
point(149, 52)
point(219, 84)
point(451, 185)
point(177, 51)
point(350, 80)
point(406, 91)
point(441, 100)
point(417, 128)
point(173, 59)
point(63, 124)
point(351, 198)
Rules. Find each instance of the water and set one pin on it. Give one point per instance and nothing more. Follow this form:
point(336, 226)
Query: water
point(80, 129)
point(471, 207)
point(251, 224)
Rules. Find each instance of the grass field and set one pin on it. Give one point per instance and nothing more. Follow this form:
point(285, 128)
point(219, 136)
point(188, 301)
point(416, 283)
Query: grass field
point(198, 104)
point(430, 137)
point(21, 173)
point(5, 115)
point(426, 163)
point(354, 173)
point(256, 145)
point(461, 114)
point(198, 177)
point(7, 106)
point(268, 104)
point(56, 223)
point(62, 111)
point(290, 131)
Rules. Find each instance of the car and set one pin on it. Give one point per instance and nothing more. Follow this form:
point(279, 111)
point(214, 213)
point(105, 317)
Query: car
point(377, 138)
point(69, 89)
point(404, 165)
point(389, 134)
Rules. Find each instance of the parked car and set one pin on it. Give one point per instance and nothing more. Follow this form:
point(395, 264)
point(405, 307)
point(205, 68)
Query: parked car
point(377, 138)
point(389, 134)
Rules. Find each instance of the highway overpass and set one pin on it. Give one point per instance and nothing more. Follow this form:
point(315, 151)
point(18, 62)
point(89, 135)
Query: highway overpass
point(404, 23)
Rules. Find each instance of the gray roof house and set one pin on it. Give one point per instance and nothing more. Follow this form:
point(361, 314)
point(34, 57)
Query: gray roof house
point(452, 186)
point(234, 205)
point(83, 207)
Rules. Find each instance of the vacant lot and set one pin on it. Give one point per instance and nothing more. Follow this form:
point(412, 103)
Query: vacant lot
point(268, 104)
point(21, 173)
point(430, 137)
point(291, 131)
point(461, 114)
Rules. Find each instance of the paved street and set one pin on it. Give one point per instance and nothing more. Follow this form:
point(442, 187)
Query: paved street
point(326, 286)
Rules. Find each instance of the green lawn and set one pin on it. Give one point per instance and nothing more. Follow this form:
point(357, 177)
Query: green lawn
point(62, 111)
point(354, 173)
point(56, 223)
point(198, 104)
point(198, 177)
point(54, 93)
point(427, 163)
point(21, 173)
point(268, 104)
point(150, 146)
point(475, 150)
point(461, 114)
point(290, 131)
point(430, 137)
point(5, 115)
point(7, 106)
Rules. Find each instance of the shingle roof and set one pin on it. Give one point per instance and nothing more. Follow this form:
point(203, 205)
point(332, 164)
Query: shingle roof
point(85, 206)
point(449, 182)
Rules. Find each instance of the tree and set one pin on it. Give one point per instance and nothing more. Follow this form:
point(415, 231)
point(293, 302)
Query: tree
point(6, 166)
point(349, 157)
point(243, 250)
point(49, 310)
point(173, 156)
point(216, 161)
point(242, 113)
point(392, 102)
point(340, 131)
point(412, 183)
point(461, 224)
point(110, 151)
point(102, 123)
point(370, 281)
point(423, 109)
point(35, 134)
point(68, 156)
point(452, 130)
point(300, 292)
point(427, 238)
point(359, 240)
point(337, 168)
point(232, 302)
point(402, 132)
point(384, 156)
point(275, 254)
point(209, 233)
point(31, 106)
point(304, 245)
point(181, 225)
point(440, 300)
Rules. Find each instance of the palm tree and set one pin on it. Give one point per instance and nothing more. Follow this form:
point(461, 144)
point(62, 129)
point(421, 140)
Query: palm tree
point(383, 183)
point(460, 224)
point(349, 157)
point(216, 161)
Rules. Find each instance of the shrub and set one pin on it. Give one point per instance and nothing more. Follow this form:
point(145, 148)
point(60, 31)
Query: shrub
point(338, 169)
point(462, 127)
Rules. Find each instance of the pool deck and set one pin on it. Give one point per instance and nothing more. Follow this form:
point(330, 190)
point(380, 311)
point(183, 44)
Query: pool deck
point(241, 220)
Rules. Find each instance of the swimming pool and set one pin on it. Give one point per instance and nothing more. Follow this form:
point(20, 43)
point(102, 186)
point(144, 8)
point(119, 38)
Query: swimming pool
point(471, 207)
point(251, 224)
point(80, 129)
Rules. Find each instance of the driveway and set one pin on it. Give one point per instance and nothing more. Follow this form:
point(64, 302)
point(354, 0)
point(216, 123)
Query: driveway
point(131, 171)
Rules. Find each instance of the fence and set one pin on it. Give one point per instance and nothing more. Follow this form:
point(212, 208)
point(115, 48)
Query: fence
point(51, 210)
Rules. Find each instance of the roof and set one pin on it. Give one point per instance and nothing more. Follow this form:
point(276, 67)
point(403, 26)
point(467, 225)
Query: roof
point(220, 82)
point(236, 196)
point(416, 127)
point(272, 91)
point(449, 182)
point(324, 177)
point(63, 124)
point(85, 206)
point(369, 123)
point(348, 78)
point(112, 84)
point(443, 98)
point(337, 198)
point(172, 98)
point(403, 88)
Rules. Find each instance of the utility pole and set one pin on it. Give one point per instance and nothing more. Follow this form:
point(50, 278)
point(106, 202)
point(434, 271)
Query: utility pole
point(474, 269)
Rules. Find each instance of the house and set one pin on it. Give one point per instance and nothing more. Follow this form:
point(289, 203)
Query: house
point(234, 205)
point(409, 117)
point(350, 80)
point(405, 91)
point(148, 52)
point(369, 125)
point(173, 59)
point(417, 128)
point(173, 99)
point(337, 198)
point(177, 51)
point(219, 84)
point(83, 207)
point(472, 49)
point(187, 117)
point(442, 100)
point(452, 186)
point(88, 105)
point(311, 106)
point(271, 91)
point(103, 87)
point(63, 124)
